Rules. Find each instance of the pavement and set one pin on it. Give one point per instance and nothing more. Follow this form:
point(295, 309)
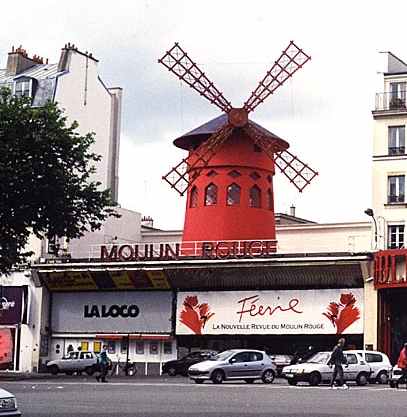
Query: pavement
point(63, 396)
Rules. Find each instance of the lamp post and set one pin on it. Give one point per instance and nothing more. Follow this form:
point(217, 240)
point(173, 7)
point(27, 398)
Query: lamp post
point(370, 213)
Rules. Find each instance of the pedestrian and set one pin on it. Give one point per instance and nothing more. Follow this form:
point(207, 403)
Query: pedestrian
point(336, 360)
point(103, 362)
point(402, 364)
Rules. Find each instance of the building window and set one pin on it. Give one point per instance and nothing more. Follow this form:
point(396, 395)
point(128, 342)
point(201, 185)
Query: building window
point(123, 345)
point(167, 348)
point(396, 237)
point(397, 140)
point(193, 200)
point(97, 347)
point(140, 348)
point(212, 173)
point(153, 348)
point(255, 197)
point(234, 174)
point(397, 95)
point(254, 176)
point(111, 346)
point(395, 188)
point(211, 195)
point(22, 88)
point(233, 195)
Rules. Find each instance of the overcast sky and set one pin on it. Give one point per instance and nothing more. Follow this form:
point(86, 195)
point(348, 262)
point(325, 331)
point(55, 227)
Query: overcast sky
point(324, 112)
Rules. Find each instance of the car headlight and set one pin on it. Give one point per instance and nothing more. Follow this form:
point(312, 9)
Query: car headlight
point(8, 403)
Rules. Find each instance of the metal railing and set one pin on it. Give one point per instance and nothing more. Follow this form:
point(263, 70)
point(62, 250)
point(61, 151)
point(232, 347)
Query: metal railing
point(397, 150)
point(395, 198)
point(391, 102)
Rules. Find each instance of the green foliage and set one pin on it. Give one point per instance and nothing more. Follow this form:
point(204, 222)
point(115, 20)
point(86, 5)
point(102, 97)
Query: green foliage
point(45, 178)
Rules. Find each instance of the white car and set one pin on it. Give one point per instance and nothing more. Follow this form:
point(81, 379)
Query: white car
point(8, 404)
point(316, 370)
point(74, 362)
point(379, 363)
point(394, 376)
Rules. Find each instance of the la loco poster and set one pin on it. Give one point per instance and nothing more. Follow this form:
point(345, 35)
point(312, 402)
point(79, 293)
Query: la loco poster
point(331, 311)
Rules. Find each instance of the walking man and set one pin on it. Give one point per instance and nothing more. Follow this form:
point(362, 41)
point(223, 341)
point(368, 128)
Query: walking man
point(337, 359)
point(103, 364)
point(402, 364)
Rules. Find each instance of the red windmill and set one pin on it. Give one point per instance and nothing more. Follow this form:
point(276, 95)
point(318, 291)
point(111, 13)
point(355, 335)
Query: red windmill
point(231, 160)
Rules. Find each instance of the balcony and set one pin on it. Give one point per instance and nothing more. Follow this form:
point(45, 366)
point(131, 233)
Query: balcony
point(399, 150)
point(391, 103)
point(393, 199)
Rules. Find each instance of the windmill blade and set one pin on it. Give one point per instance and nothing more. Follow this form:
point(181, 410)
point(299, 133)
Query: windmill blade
point(289, 62)
point(299, 173)
point(177, 61)
point(183, 175)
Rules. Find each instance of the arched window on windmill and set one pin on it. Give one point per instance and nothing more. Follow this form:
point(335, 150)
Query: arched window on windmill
point(270, 202)
point(255, 197)
point(233, 195)
point(193, 200)
point(211, 195)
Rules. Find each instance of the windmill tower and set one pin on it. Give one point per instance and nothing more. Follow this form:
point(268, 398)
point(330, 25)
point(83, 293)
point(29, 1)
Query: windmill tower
point(228, 173)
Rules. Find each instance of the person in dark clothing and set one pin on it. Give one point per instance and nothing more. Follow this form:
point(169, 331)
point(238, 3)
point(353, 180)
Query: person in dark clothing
point(336, 360)
point(402, 364)
point(103, 361)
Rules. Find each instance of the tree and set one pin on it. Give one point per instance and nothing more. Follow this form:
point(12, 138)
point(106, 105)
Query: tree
point(45, 178)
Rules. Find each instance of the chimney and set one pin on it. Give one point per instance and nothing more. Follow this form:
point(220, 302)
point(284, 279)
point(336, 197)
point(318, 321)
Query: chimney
point(147, 221)
point(292, 210)
point(18, 61)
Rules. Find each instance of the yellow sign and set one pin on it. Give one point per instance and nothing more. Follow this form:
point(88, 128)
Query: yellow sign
point(158, 279)
point(59, 281)
point(122, 280)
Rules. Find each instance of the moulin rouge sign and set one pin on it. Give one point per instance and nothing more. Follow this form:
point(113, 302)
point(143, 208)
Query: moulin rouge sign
point(176, 251)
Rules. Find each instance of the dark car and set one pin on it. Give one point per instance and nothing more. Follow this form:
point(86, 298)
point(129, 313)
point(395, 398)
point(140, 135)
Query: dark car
point(180, 366)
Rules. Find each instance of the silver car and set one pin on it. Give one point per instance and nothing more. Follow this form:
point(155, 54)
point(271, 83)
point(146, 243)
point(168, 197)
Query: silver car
point(245, 364)
point(8, 404)
point(74, 362)
point(316, 369)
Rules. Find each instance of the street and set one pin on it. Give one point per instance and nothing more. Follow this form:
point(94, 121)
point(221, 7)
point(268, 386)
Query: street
point(176, 397)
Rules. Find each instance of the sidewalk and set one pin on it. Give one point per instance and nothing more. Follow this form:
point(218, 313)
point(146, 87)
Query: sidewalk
point(26, 376)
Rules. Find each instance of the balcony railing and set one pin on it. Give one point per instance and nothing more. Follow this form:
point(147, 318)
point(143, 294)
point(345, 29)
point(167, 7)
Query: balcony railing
point(395, 198)
point(399, 150)
point(391, 102)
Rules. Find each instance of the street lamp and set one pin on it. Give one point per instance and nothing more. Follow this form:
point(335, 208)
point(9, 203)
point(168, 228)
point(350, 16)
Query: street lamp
point(370, 213)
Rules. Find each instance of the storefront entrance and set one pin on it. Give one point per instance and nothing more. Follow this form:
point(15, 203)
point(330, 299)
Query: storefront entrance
point(392, 321)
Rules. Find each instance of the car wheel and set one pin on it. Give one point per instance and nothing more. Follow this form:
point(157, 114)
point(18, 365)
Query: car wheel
point(172, 371)
point(362, 379)
point(249, 381)
point(54, 369)
point(69, 372)
point(217, 377)
point(90, 370)
point(268, 376)
point(292, 382)
point(198, 381)
point(315, 379)
point(382, 378)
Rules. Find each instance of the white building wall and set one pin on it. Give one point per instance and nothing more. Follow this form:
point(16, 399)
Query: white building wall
point(85, 99)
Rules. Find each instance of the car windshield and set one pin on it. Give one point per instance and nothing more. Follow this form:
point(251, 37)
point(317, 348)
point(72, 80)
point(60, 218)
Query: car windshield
point(222, 356)
point(320, 357)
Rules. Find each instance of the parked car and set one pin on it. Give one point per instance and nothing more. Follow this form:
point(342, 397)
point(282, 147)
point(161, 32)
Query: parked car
point(316, 370)
point(180, 366)
point(379, 363)
point(74, 362)
point(281, 361)
point(8, 404)
point(247, 365)
point(394, 376)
